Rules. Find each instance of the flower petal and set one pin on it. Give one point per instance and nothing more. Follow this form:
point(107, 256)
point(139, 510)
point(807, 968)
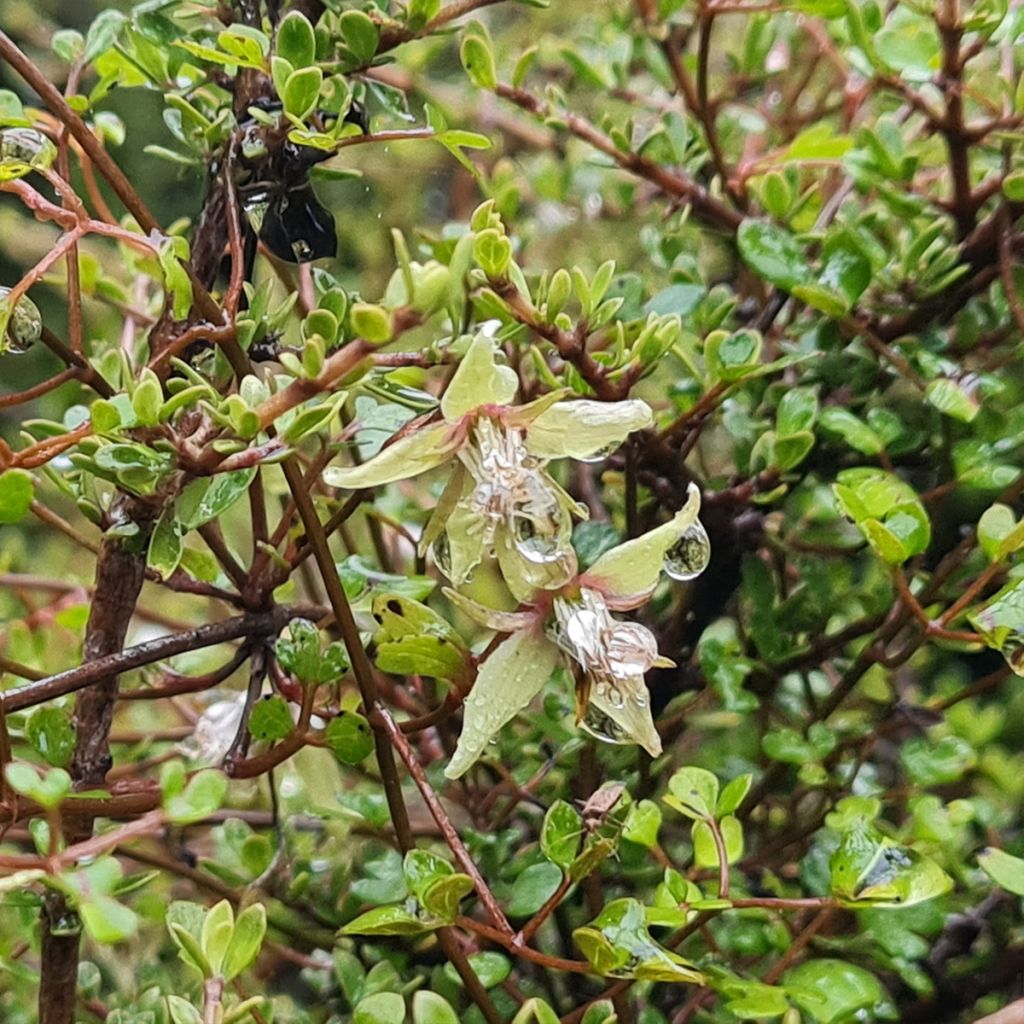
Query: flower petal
point(408, 456)
point(464, 539)
point(535, 564)
point(452, 494)
point(583, 429)
point(628, 573)
point(491, 618)
point(479, 380)
point(507, 681)
point(623, 714)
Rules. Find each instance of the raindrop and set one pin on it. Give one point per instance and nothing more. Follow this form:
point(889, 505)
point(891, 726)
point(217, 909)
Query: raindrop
point(1013, 651)
point(689, 556)
point(441, 551)
point(534, 547)
point(24, 324)
point(23, 150)
point(602, 727)
point(66, 924)
point(600, 455)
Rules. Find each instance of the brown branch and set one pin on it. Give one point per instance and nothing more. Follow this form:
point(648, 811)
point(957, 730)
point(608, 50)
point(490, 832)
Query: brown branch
point(706, 207)
point(73, 679)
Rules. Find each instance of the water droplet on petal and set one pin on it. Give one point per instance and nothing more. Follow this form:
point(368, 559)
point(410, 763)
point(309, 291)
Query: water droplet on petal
point(690, 555)
point(533, 546)
point(441, 550)
point(602, 727)
point(600, 455)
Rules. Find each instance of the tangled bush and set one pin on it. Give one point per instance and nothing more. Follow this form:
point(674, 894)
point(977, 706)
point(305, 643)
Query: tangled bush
point(511, 513)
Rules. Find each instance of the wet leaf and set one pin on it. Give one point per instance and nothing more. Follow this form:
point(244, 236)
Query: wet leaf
point(507, 681)
point(869, 868)
point(1004, 869)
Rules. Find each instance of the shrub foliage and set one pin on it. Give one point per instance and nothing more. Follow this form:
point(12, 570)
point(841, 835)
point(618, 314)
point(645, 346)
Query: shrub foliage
point(511, 513)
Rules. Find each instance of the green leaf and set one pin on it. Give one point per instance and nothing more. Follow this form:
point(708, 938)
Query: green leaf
point(102, 34)
point(594, 854)
point(422, 869)
point(911, 46)
point(937, 762)
point(147, 399)
point(1013, 186)
point(886, 510)
point(618, 945)
point(705, 851)
point(165, 545)
point(423, 656)
point(733, 794)
point(999, 533)
point(1000, 622)
point(532, 888)
point(561, 833)
point(271, 719)
point(49, 791)
point(296, 42)
point(491, 969)
point(361, 35)
point(774, 253)
point(535, 1011)
point(218, 926)
point(819, 142)
point(299, 653)
point(349, 737)
point(442, 897)
point(16, 494)
point(185, 923)
point(1004, 869)
point(952, 399)
point(642, 824)
point(301, 92)
point(203, 795)
point(835, 992)
point(507, 681)
point(797, 411)
point(477, 55)
point(854, 431)
point(182, 1011)
point(209, 498)
point(106, 920)
point(731, 357)
point(393, 920)
point(492, 252)
point(68, 44)
point(246, 940)
point(846, 271)
point(871, 869)
point(430, 1008)
point(51, 733)
point(694, 792)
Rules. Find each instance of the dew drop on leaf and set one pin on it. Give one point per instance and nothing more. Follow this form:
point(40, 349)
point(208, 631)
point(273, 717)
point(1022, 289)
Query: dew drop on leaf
point(690, 555)
point(21, 327)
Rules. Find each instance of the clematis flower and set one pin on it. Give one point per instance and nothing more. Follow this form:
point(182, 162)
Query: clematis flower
point(607, 657)
point(499, 500)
